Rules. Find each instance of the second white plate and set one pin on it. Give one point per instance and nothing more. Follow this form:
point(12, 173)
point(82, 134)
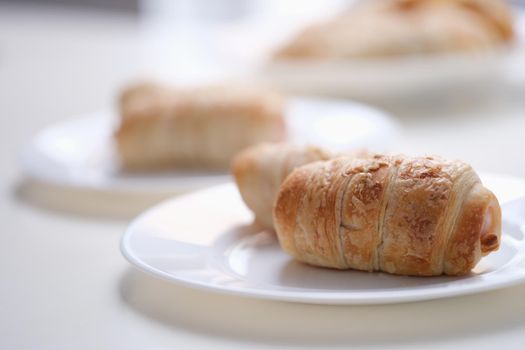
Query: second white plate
point(389, 78)
point(79, 152)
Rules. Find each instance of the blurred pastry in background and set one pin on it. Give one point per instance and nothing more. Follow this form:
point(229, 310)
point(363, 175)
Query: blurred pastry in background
point(163, 127)
point(382, 28)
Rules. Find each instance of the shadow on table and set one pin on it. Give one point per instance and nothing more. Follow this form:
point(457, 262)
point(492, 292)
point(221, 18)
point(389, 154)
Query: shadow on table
point(260, 321)
point(83, 202)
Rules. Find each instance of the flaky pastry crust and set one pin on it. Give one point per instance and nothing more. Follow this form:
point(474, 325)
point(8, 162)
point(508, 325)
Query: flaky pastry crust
point(422, 216)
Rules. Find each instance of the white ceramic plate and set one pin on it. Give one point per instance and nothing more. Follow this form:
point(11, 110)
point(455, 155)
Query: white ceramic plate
point(79, 152)
point(206, 240)
point(390, 78)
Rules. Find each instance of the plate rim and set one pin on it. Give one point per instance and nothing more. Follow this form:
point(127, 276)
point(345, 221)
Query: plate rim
point(328, 298)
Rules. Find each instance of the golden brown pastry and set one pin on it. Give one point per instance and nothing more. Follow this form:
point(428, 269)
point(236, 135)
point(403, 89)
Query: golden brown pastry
point(260, 170)
point(204, 127)
point(376, 28)
point(409, 216)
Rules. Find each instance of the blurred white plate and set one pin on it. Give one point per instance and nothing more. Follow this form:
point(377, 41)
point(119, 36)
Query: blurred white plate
point(393, 77)
point(226, 253)
point(80, 153)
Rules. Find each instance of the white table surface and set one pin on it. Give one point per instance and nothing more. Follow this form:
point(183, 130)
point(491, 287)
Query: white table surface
point(64, 284)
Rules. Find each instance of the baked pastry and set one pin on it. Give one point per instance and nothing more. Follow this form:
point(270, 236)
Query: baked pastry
point(204, 127)
point(378, 28)
point(408, 216)
point(260, 170)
